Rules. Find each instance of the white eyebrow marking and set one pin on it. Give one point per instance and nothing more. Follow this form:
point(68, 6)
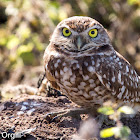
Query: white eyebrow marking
point(66, 26)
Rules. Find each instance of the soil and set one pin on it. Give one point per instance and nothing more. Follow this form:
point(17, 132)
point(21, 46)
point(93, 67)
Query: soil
point(26, 113)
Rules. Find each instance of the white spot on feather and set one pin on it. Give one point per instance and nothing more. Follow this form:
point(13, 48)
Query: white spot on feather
point(91, 81)
point(86, 95)
point(126, 94)
point(93, 63)
point(92, 85)
point(114, 56)
point(97, 89)
point(120, 63)
point(46, 66)
point(74, 89)
point(80, 92)
point(29, 112)
point(66, 83)
point(23, 108)
point(86, 77)
point(136, 85)
point(80, 87)
point(137, 79)
point(92, 93)
point(64, 64)
point(61, 72)
point(82, 83)
point(77, 65)
point(117, 59)
point(91, 69)
point(74, 61)
point(108, 86)
point(127, 69)
point(104, 76)
point(65, 69)
point(55, 54)
point(70, 72)
point(132, 71)
point(58, 61)
point(120, 95)
point(119, 77)
point(25, 103)
point(72, 79)
point(113, 79)
point(137, 99)
point(86, 63)
point(56, 74)
point(132, 100)
point(20, 112)
point(56, 65)
point(123, 89)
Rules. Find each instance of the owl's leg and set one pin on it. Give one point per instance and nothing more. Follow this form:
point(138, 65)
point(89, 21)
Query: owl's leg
point(73, 113)
point(42, 85)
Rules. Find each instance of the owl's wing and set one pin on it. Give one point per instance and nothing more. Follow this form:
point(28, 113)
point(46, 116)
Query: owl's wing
point(47, 59)
point(119, 77)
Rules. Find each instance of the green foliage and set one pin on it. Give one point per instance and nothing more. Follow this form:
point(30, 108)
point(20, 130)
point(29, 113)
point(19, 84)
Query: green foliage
point(106, 110)
point(21, 47)
point(126, 110)
point(134, 2)
point(119, 131)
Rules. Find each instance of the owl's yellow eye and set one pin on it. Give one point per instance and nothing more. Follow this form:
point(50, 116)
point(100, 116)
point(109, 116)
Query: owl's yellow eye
point(93, 33)
point(66, 32)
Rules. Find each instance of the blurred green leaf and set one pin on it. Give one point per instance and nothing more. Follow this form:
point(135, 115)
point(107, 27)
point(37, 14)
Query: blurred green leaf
point(54, 4)
point(62, 14)
point(13, 42)
point(37, 43)
point(124, 132)
point(25, 48)
point(106, 110)
point(3, 41)
point(13, 57)
point(126, 110)
point(25, 52)
point(109, 132)
point(25, 33)
point(27, 58)
point(132, 2)
point(118, 132)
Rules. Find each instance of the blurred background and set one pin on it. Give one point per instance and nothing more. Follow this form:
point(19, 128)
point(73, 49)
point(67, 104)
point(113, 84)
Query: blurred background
point(26, 25)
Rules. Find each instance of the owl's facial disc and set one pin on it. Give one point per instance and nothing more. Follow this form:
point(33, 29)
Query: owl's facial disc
point(79, 34)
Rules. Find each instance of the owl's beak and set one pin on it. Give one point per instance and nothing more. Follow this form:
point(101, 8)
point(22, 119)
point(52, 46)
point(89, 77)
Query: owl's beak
point(79, 43)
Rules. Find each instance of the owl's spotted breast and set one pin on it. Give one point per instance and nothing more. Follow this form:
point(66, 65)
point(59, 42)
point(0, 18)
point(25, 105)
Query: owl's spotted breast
point(93, 79)
point(77, 79)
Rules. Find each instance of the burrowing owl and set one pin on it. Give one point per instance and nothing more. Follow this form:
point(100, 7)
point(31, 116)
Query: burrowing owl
point(81, 62)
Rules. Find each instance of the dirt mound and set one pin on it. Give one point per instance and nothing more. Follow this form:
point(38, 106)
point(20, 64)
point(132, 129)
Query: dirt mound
point(24, 115)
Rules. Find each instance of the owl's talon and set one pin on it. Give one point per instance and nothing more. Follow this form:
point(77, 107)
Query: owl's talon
point(56, 116)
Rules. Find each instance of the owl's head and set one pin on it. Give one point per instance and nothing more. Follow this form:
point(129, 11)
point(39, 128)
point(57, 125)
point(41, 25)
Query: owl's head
point(79, 34)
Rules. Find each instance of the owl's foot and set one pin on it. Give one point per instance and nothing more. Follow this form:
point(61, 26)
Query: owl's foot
point(56, 116)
